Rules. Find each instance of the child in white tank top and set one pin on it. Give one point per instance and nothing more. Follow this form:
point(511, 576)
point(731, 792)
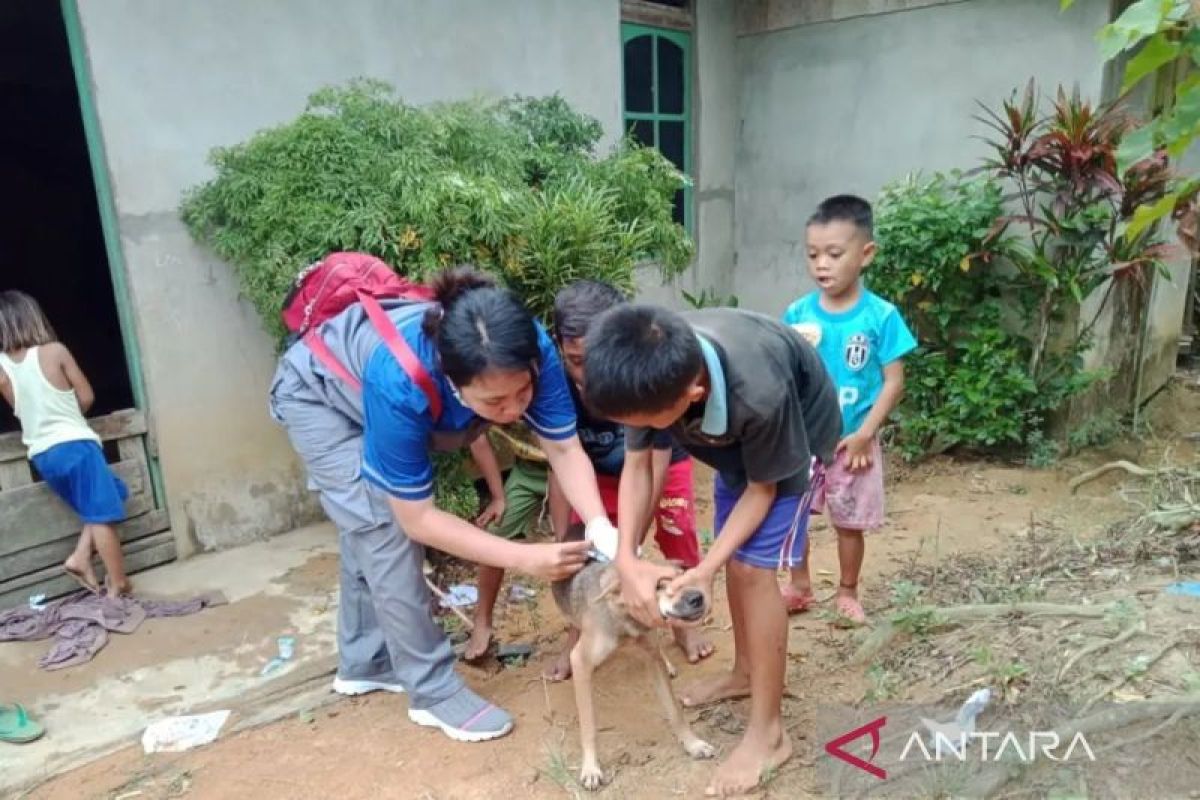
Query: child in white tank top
point(49, 394)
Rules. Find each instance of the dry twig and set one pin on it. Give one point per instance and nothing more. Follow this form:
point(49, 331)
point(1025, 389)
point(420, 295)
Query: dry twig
point(1126, 635)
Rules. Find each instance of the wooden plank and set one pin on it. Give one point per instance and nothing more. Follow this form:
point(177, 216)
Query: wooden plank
point(14, 474)
point(117, 425)
point(142, 554)
point(656, 15)
point(131, 449)
point(33, 514)
point(48, 554)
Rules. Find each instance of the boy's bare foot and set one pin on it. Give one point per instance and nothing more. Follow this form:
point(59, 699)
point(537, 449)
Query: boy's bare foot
point(479, 644)
point(750, 763)
point(694, 644)
point(797, 600)
point(81, 570)
point(723, 687)
point(560, 668)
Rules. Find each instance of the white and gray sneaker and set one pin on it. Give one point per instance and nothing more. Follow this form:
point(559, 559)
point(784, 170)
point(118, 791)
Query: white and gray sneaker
point(465, 717)
point(356, 686)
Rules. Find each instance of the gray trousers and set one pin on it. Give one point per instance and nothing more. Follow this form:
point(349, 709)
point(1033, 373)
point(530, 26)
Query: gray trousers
point(386, 629)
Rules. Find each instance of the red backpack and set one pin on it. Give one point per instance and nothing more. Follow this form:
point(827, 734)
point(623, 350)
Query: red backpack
point(333, 284)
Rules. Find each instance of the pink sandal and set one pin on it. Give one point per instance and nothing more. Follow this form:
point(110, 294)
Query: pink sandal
point(796, 602)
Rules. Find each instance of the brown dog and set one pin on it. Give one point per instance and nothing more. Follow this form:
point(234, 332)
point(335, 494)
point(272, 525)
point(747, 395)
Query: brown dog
point(591, 600)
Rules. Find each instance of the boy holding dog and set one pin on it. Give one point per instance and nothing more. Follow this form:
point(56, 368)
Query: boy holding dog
point(750, 397)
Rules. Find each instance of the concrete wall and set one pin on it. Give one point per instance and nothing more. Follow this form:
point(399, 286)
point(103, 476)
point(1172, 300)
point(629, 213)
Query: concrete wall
point(173, 80)
point(714, 128)
point(847, 106)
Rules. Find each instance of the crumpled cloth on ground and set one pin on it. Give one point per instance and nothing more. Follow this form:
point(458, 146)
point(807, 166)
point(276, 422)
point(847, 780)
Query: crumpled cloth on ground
point(80, 622)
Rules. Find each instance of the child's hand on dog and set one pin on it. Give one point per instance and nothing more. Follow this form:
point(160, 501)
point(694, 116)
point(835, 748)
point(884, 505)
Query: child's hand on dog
point(639, 589)
point(695, 578)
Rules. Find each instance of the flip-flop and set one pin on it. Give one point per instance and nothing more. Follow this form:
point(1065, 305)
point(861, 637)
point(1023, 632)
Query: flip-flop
point(81, 579)
point(851, 610)
point(795, 602)
point(16, 727)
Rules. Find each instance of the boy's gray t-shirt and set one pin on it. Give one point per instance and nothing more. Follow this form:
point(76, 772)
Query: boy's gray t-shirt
point(782, 408)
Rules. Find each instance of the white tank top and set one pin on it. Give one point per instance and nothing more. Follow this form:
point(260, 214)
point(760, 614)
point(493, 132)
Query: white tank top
point(49, 415)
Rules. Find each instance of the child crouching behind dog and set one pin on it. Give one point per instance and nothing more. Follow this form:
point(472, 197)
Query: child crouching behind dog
point(750, 397)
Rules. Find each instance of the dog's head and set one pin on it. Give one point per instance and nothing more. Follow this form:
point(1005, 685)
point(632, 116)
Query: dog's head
point(688, 607)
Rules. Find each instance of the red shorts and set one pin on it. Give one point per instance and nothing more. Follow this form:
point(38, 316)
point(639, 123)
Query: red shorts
point(675, 517)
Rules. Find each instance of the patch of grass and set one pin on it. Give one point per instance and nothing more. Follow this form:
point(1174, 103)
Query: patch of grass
point(1042, 452)
point(1004, 673)
point(555, 768)
point(1122, 614)
point(1099, 430)
point(885, 684)
point(906, 594)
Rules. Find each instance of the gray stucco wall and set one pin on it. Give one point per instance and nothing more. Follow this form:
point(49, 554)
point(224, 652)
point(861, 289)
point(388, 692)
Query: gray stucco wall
point(714, 128)
point(173, 80)
point(847, 106)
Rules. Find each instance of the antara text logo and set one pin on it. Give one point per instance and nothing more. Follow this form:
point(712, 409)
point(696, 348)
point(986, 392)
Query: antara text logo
point(981, 746)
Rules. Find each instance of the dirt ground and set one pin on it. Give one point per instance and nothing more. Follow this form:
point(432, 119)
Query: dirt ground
point(959, 531)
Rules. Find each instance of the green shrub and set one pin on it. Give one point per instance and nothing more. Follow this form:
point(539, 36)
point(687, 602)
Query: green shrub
point(514, 187)
point(969, 383)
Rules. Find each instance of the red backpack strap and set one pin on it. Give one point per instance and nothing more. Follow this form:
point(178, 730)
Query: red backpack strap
point(321, 350)
point(403, 353)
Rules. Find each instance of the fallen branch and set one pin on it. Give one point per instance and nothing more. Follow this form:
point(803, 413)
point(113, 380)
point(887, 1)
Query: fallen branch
point(1127, 677)
point(1150, 734)
point(997, 776)
point(1175, 519)
point(1127, 466)
point(1128, 634)
point(885, 632)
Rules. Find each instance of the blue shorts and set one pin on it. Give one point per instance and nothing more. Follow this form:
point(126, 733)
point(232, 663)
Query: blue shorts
point(78, 473)
point(779, 541)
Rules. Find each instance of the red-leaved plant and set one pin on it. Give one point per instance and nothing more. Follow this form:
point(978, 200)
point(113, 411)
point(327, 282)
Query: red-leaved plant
point(1074, 204)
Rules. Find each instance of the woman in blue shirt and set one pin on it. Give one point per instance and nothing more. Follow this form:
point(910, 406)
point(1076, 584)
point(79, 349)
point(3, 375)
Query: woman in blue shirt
point(367, 454)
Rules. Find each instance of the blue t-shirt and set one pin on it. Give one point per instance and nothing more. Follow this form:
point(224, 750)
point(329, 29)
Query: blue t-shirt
point(855, 345)
point(398, 424)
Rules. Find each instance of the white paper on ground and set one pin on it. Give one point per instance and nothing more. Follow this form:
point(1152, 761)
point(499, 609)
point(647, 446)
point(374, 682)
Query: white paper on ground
point(176, 734)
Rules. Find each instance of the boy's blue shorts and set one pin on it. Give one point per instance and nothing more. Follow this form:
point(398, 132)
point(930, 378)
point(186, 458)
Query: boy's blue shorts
point(779, 541)
point(78, 473)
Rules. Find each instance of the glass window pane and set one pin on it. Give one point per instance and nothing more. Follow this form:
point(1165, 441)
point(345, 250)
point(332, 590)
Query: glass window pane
point(677, 212)
point(670, 141)
point(639, 76)
point(670, 77)
point(642, 130)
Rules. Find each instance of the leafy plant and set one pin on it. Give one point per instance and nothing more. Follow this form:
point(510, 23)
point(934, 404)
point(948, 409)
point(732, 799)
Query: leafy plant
point(906, 594)
point(993, 290)
point(513, 187)
point(968, 384)
point(1165, 35)
point(708, 298)
point(1074, 204)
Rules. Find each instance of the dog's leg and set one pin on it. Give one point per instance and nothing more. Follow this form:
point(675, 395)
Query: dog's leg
point(589, 652)
point(693, 744)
